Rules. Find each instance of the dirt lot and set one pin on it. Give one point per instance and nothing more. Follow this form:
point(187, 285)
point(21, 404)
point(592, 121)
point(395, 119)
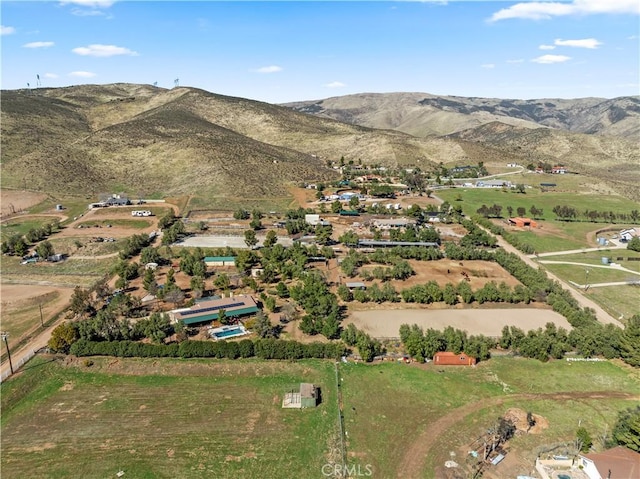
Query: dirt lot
point(386, 323)
point(18, 200)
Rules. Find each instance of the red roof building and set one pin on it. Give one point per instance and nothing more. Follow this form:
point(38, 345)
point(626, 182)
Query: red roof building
point(447, 358)
point(522, 222)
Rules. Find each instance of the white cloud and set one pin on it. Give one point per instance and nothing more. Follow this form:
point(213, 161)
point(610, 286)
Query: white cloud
point(546, 47)
point(584, 43)
point(632, 37)
point(82, 74)
point(547, 59)
point(518, 60)
point(82, 12)
point(269, 69)
point(50, 75)
point(334, 84)
point(98, 50)
point(547, 10)
point(7, 30)
point(488, 65)
point(90, 3)
point(38, 45)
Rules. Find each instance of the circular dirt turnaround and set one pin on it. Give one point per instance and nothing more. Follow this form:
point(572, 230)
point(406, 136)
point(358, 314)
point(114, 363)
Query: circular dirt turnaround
point(386, 323)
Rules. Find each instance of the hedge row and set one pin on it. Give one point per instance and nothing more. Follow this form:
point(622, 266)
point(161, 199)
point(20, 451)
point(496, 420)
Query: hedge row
point(261, 348)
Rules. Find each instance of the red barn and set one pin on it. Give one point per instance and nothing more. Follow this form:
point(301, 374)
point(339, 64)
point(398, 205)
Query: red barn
point(447, 358)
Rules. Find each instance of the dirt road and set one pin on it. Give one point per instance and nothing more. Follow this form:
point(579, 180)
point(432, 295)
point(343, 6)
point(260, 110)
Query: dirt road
point(601, 314)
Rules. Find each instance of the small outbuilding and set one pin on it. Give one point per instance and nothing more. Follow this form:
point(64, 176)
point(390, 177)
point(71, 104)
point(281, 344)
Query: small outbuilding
point(448, 358)
point(220, 260)
point(523, 222)
point(306, 397)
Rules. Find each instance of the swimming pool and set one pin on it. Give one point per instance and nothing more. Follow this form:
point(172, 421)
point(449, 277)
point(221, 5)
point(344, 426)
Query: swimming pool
point(227, 332)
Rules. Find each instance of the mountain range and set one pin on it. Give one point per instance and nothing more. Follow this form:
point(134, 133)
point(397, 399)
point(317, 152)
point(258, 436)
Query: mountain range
point(146, 140)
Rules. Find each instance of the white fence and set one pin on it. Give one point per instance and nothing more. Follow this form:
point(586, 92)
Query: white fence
point(18, 365)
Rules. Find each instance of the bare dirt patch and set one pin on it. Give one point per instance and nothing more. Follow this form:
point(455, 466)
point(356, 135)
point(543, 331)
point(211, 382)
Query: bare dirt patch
point(519, 419)
point(16, 201)
point(386, 323)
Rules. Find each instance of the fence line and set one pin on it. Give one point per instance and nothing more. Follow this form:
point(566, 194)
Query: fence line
point(341, 419)
point(18, 365)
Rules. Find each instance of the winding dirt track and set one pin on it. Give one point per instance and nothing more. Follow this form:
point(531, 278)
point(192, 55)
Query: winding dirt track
point(412, 464)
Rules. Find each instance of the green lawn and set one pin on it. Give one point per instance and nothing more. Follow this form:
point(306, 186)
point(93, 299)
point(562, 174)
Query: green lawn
point(620, 256)
point(617, 300)
point(578, 274)
point(279, 204)
point(205, 419)
point(82, 272)
point(21, 226)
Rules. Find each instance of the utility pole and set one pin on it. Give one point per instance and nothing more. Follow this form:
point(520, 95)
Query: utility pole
point(4, 336)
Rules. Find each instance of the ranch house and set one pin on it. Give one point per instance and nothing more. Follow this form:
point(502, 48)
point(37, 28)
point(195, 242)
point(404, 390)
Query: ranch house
point(208, 311)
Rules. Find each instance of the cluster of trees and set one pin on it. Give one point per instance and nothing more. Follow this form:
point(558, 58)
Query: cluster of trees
point(423, 345)
point(414, 233)
point(374, 294)
point(431, 292)
point(246, 348)
point(495, 211)
point(570, 213)
point(401, 270)
point(134, 245)
point(476, 236)
point(323, 314)
point(368, 347)
point(391, 256)
point(18, 244)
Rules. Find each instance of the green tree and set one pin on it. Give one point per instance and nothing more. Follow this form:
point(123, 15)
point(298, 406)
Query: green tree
point(250, 238)
point(626, 432)
point(223, 318)
point(197, 286)
point(149, 279)
point(271, 239)
point(336, 206)
point(62, 337)
point(584, 440)
point(241, 214)
point(45, 249)
point(81, 301)
point(634, 244)
point(222, 281)
point(354, 201)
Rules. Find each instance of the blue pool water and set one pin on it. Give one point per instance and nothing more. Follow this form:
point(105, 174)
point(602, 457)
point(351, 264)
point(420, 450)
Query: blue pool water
point(229, 332)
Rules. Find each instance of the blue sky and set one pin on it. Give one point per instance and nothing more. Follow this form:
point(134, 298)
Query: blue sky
point(288, 51)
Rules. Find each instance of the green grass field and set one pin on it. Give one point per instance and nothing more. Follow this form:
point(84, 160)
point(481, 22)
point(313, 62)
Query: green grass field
point(578, 274)
point(201, 419)
point(20, 226)
point(617, 300)
point(210, 418)
point(474, 198)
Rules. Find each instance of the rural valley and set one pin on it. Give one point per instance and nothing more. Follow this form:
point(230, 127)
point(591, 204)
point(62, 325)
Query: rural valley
point(397, 285)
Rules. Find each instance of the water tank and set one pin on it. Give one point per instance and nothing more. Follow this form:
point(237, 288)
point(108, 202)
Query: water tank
point(605, 260)
point(602, 241)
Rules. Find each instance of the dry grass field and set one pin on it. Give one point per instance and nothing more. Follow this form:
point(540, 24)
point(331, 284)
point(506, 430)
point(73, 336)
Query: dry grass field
point(21, 307)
